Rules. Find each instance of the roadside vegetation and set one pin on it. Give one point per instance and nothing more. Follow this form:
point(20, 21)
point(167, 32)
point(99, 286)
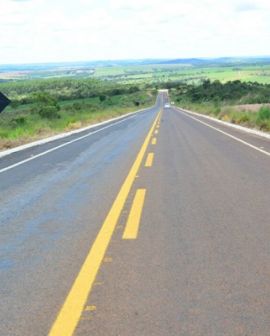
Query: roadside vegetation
point(237, 91)
point(229, 101)
point(41, 108)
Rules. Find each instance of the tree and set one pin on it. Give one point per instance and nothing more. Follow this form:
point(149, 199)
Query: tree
point(46, 105)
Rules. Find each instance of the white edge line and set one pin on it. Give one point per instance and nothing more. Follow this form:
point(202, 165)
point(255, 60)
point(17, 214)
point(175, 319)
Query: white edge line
point(66, 134)
point(228, 134)
point(238, 127)
point(63, 145)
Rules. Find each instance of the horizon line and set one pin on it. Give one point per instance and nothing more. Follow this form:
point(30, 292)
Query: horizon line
point(132, 60)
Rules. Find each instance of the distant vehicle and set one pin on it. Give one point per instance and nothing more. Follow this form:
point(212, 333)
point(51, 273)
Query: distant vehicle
point(167, 105)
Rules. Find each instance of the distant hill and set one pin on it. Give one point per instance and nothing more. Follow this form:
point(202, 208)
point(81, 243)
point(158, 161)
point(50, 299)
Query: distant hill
point(190, 61)
point(68, 65)
point(225, 61)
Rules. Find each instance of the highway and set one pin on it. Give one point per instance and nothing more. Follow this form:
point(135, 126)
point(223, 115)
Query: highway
point(154, 224)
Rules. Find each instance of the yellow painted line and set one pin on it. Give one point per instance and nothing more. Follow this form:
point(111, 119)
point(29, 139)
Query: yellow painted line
point(88, 318)
point(149, 160)
point(90, 308)
point(154, 141)
point(98, 283)
point(69, 315)
point(133, 222)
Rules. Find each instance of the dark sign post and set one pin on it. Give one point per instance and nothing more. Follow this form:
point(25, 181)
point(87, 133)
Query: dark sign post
point(4, 102)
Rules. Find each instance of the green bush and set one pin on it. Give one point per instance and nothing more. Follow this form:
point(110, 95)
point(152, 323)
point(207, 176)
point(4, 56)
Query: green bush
point(45, 105)
point(19, 121)
point(263, 114)
point(77, 106)
point(243, 118)
point(49, 112)
point(14, 104)
point(102, 98)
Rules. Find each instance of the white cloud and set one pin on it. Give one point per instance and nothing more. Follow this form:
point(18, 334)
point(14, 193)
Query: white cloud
point(61, 30)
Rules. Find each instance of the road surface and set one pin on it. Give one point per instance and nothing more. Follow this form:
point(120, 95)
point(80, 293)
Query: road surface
point(157, 224)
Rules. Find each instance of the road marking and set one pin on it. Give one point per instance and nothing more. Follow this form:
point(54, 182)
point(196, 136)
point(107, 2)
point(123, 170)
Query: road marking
point(227, 124)
point(33, 157)
point(154, 141)
point(133, 222)
point(73, 306)
point(149, 160)
point(228, 134)
point(90, 308)
point(156, 131)
point(88, 318)
point(98, 283)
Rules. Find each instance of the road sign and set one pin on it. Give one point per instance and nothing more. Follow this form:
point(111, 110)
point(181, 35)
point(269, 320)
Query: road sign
point(4, 102)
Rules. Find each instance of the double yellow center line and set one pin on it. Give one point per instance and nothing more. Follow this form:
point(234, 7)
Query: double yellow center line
point(132, 226)
point(154, 141)
point(73, 306)
point(149, 160)
point(133, 222)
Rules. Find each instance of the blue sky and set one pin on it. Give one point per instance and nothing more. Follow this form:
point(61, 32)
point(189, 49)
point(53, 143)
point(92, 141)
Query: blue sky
point(64, 30)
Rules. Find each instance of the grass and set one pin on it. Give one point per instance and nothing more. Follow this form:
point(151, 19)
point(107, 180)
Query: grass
point(178, 72)
point(259, 119)
point(21, 125)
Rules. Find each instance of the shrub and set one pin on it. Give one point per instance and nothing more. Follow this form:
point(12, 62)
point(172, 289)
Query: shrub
point(243, 118)
point(77, 106)
point(49, 112)
point(14, 104)
point(44, 98)
point(133, 89)
point(102, 98)
point(263, 114)
point(19, 121)
point(46, 105)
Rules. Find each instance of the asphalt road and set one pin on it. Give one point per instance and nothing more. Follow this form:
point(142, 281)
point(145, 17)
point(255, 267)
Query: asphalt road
point(155, 225)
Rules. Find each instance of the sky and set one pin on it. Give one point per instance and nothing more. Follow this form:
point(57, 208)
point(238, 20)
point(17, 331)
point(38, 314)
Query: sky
point(81, 30)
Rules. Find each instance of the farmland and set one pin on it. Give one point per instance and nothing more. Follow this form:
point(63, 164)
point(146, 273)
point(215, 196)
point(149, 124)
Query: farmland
point(149, 72)
point(163, 73)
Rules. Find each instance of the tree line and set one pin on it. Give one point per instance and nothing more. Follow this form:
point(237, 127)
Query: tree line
point(30, 91)
point(215, 91)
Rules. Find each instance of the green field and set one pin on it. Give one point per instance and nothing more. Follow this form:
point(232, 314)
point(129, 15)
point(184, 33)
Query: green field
point(163, 73)
point(139, 72)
